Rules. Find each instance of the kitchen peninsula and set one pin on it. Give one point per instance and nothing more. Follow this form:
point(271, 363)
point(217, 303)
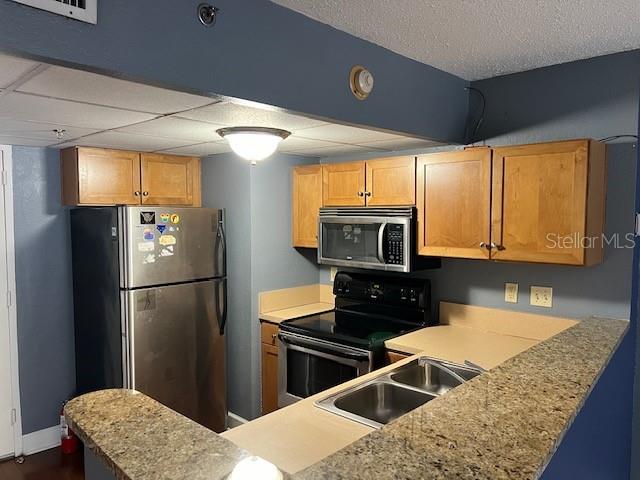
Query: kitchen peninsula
point(505, 423)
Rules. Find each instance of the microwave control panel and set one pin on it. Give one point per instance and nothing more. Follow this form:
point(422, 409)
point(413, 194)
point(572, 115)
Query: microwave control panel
point(395, 244)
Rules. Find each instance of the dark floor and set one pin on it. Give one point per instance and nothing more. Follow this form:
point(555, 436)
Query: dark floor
point(47, 465)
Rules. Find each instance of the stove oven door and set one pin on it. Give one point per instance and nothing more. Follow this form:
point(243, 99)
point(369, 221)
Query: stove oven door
point(307, 366)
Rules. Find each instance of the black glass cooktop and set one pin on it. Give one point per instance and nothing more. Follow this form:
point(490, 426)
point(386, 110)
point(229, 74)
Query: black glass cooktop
point(367, 332)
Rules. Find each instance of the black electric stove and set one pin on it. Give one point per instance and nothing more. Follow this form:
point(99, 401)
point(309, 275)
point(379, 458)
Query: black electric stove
point(370, 309)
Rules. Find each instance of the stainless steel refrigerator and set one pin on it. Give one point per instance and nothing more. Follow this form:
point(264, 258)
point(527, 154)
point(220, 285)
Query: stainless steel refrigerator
point(150, 305)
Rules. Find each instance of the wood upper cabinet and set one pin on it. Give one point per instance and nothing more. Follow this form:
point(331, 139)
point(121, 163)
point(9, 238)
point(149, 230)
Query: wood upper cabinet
point(343, 184)
point(391, 181)
point(549, 202)
point(95, 176)
point(454, 203)
point(98, 176)
point(380, 182)
point(541, 203)
point(306, 202)
point(170, 180)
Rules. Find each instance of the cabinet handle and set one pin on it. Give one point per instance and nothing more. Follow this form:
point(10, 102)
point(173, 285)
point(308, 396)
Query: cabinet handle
point(367, 194)
point(361, 194)
point(137, 193)
point(496, 246)
point(145, 194)
point(273, 336)
point(483, 245)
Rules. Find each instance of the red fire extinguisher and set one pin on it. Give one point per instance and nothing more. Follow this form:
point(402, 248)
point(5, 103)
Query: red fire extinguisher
point(68, 439)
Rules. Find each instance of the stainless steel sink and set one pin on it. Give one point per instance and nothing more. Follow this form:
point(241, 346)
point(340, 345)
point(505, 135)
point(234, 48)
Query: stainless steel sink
point(395, 393)
point(433, 377)
point(382, 402)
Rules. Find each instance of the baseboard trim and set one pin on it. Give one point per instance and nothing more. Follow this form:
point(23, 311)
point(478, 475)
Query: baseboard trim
point(41, 440)
point(234, 420)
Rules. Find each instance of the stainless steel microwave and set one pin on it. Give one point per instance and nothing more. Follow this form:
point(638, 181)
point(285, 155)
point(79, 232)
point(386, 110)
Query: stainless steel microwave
point(371, 238)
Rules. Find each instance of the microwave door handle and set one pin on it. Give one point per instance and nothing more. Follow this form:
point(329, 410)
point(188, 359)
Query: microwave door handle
point(383, 227)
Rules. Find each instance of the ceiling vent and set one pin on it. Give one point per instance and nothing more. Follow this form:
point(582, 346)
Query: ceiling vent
point(84, 10)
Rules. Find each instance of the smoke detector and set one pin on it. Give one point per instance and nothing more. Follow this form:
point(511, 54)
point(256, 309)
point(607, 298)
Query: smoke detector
point(360, 82)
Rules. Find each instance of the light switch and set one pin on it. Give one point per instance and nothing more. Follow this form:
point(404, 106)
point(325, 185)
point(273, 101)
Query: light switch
point(511, 292)
point(541, 296)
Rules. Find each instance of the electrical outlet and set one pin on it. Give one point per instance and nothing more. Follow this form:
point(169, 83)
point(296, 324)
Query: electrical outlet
point(332, 273)
point(541, 296)
point(511, 292)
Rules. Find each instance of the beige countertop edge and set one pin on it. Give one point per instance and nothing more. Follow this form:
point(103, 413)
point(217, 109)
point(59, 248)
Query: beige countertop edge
point(278, 316)
point(501, 425)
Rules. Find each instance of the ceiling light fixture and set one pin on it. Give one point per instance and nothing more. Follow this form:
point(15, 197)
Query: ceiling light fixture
point(253, 143)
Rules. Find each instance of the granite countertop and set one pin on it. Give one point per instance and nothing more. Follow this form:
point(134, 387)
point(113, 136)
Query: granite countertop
point(504, 424)
point(138, 438)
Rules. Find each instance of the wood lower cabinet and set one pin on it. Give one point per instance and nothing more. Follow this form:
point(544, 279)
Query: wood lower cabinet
point(170, 180)
point(343, 184)
point(269, 335)
point(454, 204)
point(305, 204)
point(391, 181)
point(269, 378)
point(549, 202)
point(95, 176)
point(98, 176)
point(393, 357)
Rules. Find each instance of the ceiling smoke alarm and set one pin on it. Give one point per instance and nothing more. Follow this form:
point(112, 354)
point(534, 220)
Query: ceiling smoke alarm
point(360, 82)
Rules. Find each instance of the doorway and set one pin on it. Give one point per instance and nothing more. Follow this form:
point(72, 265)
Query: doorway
point(10, 422)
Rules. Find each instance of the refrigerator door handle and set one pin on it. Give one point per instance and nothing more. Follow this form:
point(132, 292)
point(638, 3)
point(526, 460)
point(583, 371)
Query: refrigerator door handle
point(221, 304)
point(221, 242)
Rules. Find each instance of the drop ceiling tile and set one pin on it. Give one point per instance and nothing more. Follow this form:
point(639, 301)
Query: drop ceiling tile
point(401, 143)
point(66, 83)
point(174, 127)
point(20, 106)
point(129, 141)
point(26, 142)
point(43, 131)
point(201, 149)
point(345, 134)
point(336, 150)
point(234, 115)
point(296, 144)
point(12, 68)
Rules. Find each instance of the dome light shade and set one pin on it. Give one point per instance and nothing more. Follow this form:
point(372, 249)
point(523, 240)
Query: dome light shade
point(253, 143)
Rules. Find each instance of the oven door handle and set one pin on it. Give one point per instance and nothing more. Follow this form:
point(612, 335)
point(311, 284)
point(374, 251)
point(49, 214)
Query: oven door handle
point(324, 346)
point(380, 252)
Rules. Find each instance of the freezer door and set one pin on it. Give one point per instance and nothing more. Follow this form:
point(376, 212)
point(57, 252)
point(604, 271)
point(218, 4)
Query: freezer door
point(176, 348)
point(160, 245)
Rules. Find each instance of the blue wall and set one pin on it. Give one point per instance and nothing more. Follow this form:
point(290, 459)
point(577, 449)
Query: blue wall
point(257, 51)
point(259, 256)
point(44, 294)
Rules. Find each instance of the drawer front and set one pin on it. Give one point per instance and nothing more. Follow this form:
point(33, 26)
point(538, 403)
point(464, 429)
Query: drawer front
point(269, 332)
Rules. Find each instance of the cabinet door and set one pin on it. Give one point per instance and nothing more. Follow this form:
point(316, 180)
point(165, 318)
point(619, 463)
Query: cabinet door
point(391, 181)
point(107, 177)
point(454, 203)
point(539, 200)
point(170, 180)
point(306, 202)
point(343, 184)
point(269, 378)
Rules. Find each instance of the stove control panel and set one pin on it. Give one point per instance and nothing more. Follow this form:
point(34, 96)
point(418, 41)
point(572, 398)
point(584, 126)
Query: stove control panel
point(377, 290)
